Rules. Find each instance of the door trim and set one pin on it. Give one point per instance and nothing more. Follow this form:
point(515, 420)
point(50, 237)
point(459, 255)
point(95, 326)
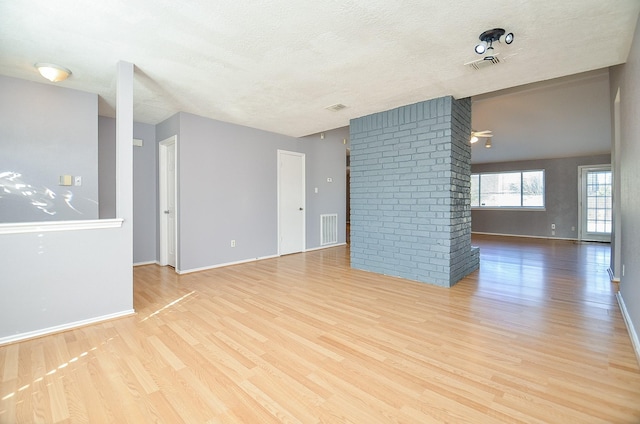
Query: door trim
point(162, 200)
point(582, 169)
point(304, 197)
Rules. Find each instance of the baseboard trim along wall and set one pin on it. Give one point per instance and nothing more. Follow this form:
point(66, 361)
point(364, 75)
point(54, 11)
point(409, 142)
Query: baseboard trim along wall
point(189, 271)
point(146, 263)
point(41, 227)
point(325, 247)
point(64, 327)
point(523, 236)
point(630, 328)
point(612, 276)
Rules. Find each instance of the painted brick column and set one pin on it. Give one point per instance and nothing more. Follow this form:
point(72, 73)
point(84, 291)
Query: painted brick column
point(410, 192)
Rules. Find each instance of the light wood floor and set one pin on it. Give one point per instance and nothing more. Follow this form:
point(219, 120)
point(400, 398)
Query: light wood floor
point(535, 336)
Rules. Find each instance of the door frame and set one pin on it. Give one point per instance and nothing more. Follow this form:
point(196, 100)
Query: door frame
point(162, 199)
point(582, 197)
point(304, 197)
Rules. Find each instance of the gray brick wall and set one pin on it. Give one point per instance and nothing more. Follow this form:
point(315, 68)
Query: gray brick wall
point(410, 181)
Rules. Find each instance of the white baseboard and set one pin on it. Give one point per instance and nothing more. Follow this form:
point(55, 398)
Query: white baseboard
point(58, 328)
point(188, 271)
point(523, 236)
point(612, 276)
point(630, 328)
point(146, 263)
point(325, 247)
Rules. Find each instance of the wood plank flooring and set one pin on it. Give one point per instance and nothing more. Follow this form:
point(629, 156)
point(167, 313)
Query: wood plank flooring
point(534, 336)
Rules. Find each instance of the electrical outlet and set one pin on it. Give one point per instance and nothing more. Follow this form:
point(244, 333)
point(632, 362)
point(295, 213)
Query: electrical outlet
point(77, 181)
point(233, 243)
point(553, 226)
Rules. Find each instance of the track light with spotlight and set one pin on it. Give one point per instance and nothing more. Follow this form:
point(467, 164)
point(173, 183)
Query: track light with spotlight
point(490, 36)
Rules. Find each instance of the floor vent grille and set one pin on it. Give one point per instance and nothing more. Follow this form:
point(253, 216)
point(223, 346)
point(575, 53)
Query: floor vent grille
point(328, 229)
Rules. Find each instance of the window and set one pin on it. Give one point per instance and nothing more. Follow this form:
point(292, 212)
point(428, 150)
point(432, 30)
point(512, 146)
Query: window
point(514, 189)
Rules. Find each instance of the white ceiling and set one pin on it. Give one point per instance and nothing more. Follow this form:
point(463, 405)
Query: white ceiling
point(276, 65)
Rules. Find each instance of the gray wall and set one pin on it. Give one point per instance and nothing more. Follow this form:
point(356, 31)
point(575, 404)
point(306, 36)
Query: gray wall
point(329, 161)
point(51, 281)
point(563, 117)
point(145, 177)
point(47, 131)
point(627, 160)
point(107, 167)
point(561, 199)
point(410, 198)
point(227, 182)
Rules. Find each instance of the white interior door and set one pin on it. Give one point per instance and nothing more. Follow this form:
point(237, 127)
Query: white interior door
point(168, 196)
point(291, 202)
point(596, 208)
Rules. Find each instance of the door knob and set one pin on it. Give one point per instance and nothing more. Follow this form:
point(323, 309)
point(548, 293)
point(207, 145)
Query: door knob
point(300, 208)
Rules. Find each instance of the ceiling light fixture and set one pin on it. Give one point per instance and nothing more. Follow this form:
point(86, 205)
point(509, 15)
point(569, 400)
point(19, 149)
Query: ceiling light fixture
point(477, 135)
point(487, 39)
point(487, 143)
point(53, 73)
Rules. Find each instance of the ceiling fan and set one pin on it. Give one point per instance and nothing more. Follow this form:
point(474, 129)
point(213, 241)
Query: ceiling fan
point(476, 135)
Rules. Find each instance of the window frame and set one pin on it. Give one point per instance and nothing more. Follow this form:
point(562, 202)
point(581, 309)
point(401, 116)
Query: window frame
point(506, 208)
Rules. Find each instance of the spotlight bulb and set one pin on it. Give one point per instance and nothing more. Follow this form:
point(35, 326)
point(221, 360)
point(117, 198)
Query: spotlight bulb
point(508, 38)
point(481, 48)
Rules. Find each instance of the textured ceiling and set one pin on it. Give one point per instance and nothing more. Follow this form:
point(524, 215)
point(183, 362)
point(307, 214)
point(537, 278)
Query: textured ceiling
point(276, 65)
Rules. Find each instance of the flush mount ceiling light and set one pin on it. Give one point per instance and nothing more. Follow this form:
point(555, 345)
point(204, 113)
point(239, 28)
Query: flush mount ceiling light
point(54, 73)
point(487, 39)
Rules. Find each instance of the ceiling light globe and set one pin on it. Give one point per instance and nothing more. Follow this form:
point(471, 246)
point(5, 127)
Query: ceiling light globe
point(53, 73)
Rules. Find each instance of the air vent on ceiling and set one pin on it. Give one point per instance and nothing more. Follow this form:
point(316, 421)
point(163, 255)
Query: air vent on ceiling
point(483, 63)
point(336, 107)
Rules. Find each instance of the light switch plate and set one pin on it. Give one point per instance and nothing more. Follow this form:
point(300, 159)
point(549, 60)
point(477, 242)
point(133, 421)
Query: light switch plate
point(65, 180)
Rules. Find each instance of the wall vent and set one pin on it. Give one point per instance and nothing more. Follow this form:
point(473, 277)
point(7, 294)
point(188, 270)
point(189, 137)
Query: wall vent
point(328, 229)
point(336, 107)
point(483, 63)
